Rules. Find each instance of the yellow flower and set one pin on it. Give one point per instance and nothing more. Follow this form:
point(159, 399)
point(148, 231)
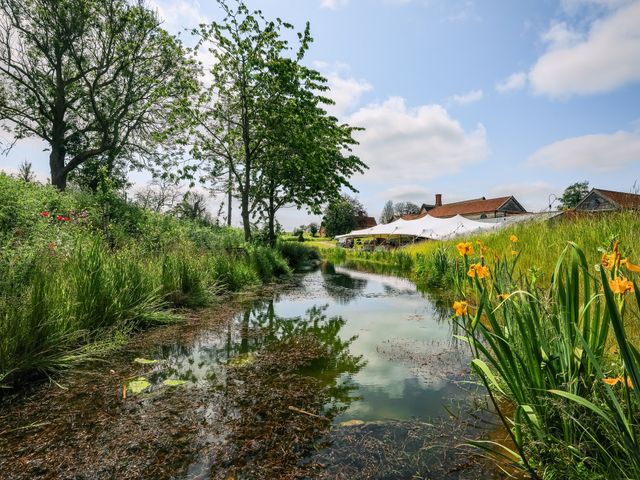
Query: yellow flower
point(614, 259)
point(483, 249)
point(631, 267)
point(612, 381)
point(503, 296)
point(513, 239)
point(460, 308)
point(514, 252)
point(465, 248)
point(479, 270)
point(621, 285)
point(616, 380)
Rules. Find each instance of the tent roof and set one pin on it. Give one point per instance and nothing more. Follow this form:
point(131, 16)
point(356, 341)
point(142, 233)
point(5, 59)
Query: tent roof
point(425, 227)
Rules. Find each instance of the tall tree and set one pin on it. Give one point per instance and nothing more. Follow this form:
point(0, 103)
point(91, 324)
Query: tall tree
point(306, 161)
point(405, 208)
point(262, 126)
point(95, 79)
point(387, 212)
point(341, 215)
point(574, 193)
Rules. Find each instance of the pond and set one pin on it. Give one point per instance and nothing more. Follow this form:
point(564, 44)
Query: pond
point(409, 367)
point(339, 373)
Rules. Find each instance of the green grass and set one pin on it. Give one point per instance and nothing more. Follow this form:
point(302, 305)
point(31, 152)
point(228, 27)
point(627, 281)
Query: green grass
point(71, 289)
point(543, 354)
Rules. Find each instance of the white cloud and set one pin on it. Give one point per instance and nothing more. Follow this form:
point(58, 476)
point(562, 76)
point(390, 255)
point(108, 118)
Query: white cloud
point(414, 144)
point(533, 196)
point(345, 89)
point(469, 97)
point(515, 81)
point(333, 4)
point(407, 193)
point(597, 153)
point(606, 58)
point(179, 14)
point(560, 35)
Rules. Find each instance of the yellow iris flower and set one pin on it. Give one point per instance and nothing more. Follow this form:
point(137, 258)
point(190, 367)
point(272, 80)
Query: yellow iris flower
point(461, 308)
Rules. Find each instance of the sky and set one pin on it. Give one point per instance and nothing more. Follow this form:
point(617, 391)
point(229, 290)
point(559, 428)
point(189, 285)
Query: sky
point(466, 98)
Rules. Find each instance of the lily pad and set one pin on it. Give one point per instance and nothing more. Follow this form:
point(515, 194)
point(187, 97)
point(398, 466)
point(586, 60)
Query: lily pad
point(173, 383)
point(144, 361)
point(243, 360)
point(138, 385)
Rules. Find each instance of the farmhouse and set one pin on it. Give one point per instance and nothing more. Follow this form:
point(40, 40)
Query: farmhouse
point(599, 200)
point(478, 208)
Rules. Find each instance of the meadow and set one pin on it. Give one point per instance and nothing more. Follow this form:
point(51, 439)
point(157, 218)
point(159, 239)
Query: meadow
point(80, 272)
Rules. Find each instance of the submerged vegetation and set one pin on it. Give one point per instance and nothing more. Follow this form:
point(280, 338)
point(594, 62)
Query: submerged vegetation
point(78, 272)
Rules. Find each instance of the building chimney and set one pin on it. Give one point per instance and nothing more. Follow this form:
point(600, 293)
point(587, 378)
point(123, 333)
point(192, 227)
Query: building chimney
point(438, 199)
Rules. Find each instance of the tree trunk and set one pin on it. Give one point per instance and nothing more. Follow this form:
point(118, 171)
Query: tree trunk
point(272, 218)
point(56, 165)
point(230, 197)
point(246, 223)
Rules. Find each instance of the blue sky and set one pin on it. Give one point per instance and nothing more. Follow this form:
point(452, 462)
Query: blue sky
point(466, 97)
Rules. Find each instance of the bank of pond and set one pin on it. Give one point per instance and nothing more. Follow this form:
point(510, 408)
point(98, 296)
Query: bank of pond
point(336, 373)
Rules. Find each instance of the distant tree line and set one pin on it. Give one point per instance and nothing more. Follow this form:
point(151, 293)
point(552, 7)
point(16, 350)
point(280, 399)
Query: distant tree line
point(109, 90)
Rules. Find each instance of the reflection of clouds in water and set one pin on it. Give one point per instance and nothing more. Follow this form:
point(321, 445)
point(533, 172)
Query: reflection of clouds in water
point(389, 283)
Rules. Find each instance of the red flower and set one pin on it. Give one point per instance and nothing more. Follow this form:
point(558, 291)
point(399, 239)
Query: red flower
point(59, 217)
point(66, 219)
point(44, 214)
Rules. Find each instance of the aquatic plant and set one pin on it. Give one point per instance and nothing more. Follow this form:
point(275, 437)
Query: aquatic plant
point(565, 397)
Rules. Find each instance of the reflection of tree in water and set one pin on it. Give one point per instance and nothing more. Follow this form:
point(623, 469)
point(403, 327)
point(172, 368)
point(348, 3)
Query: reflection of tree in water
point(340, 286)
point(285, 399)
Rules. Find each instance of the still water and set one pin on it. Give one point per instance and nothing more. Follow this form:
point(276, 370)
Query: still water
point(398, 359)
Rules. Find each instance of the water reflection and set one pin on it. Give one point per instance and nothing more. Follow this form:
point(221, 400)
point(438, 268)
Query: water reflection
point(392, 351)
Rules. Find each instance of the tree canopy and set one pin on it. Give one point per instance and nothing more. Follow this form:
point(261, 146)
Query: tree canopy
point(341, 215)
point(262, 129)
point(574, 193)
point(96, 79)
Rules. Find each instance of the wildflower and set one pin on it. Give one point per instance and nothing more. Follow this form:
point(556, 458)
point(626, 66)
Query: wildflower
point(479, 270)
point(513, 239)
point(66, 219)
point(460, 308)
point(613, 259)
point(59, 218)
point(621, 285)
point(44, 214)
point(514, 252)
point(614, 381)
point(503, 296)
point(465, 248)
point(631, 267)
point(483, 248)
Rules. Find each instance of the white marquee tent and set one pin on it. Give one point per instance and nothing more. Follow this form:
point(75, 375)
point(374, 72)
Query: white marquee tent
point(426, 227)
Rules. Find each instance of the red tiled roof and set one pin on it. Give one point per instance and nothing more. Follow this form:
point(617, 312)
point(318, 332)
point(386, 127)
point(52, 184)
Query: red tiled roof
point(625, 200)
point(469, 207)
point(366, 222)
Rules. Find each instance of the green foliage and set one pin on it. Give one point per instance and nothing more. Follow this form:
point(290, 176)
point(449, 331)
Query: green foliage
point(71, 288)
point(119, 102)
point(574, 193)
point(297, 254)
point(544, 356)
point(264, 125)
point(340, 216)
